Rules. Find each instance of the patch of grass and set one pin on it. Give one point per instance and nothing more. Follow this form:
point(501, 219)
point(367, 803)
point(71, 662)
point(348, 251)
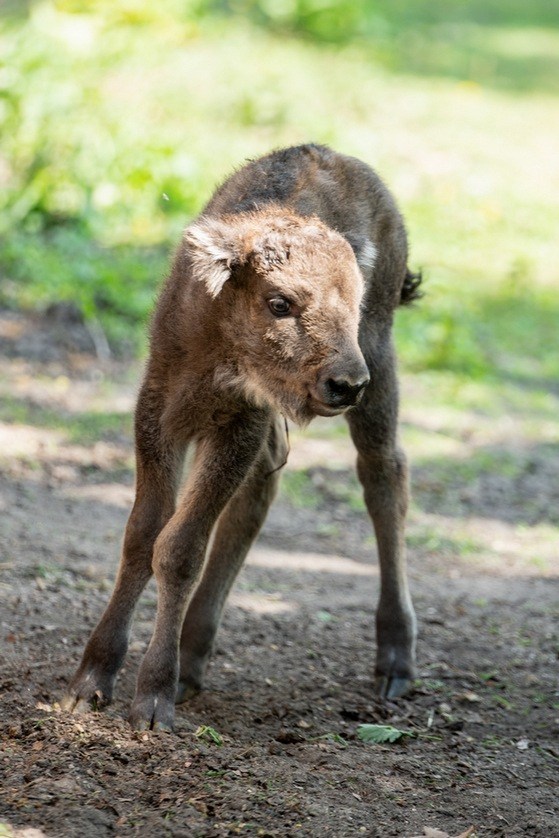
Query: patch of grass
point(432, 540)
point(313, 487)
point(114, 285)
point(347, 490)
point(492, 742)
point(50, 574)
point(492, 335)
point(328, 530)
point(81, 428)
point(492, 461)
point(541, 563)
point(325, 617)
point(298, 488)
point(89, 427)
point(503, 702)
point(488, 676)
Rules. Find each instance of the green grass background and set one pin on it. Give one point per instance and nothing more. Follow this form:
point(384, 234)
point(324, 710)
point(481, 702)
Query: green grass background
point(118, 117)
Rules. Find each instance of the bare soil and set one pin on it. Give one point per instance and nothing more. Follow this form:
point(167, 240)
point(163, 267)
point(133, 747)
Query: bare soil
point(291, 678)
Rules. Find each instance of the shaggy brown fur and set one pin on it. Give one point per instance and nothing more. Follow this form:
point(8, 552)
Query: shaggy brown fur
point(280, 301)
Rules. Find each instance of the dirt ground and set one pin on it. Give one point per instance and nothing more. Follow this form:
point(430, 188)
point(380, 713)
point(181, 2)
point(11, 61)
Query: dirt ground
point(291, 679)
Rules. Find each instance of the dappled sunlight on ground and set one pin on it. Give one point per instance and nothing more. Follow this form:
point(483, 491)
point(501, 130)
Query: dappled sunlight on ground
point(309, 562)
point(36, 449)
point(112, 494)
point(473, 545)
point(260, 603)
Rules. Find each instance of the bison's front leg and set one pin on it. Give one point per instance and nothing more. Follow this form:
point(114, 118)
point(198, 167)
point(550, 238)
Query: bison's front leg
point(157, 466)
point(237, 528)
point(382, 470)
point(223, 460)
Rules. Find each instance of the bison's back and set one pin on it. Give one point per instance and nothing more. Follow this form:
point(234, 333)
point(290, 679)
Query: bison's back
point(342, 191)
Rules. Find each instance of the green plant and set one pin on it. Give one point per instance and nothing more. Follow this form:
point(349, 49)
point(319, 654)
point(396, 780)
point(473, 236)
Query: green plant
point(381, 734)
point(208, 733)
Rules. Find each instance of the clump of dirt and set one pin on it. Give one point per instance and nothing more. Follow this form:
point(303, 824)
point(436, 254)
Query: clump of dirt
point(272, 746)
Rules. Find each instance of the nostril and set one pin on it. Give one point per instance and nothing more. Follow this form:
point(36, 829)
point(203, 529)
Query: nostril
point(337, 386)
point(340, 391)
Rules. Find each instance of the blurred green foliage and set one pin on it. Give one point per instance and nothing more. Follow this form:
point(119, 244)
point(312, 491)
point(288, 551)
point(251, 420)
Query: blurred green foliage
point(501, 42)
point(70, 143)
point(118, 118)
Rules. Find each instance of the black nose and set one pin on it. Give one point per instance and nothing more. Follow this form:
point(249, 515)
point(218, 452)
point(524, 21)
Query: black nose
point(343, 392)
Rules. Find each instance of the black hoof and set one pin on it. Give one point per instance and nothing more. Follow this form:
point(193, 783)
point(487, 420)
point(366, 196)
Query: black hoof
point(392, 686)
point(152, 713)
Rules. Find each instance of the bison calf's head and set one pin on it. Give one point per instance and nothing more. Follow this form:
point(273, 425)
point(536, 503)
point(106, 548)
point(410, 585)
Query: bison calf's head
point(283, 295)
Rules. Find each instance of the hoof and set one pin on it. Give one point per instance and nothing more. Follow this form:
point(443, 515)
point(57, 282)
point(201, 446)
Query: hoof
point(187, 689)
point(392, 686)
point(86, 695)
point(152, 713)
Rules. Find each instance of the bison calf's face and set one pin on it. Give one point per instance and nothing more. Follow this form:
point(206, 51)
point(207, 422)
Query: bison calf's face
point(286, 293)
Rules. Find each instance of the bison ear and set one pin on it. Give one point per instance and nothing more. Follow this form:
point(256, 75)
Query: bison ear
point(364, 250)
point(214, 251)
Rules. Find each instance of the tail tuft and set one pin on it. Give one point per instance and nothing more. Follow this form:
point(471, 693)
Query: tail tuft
point(410, 289)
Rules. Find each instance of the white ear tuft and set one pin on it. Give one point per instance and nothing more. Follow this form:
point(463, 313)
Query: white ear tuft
point(211, 250)
point(366, 255)
point(364, 250)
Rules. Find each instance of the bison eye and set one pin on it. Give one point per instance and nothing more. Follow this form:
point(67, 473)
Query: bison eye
point(279, 306)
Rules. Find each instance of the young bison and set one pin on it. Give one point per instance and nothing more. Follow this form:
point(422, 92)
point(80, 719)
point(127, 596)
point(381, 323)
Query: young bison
point(279, 303)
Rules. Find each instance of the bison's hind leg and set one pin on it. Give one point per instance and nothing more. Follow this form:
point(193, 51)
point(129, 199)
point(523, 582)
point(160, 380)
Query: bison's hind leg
point(382, 470)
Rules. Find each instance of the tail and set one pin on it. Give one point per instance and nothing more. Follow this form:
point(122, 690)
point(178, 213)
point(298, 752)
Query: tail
point(410, 289)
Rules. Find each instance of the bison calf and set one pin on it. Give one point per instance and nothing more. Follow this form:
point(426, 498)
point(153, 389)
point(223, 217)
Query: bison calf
point(279, 303)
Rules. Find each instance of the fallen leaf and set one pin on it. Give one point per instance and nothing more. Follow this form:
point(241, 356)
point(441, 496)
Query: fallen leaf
point(379, 734)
